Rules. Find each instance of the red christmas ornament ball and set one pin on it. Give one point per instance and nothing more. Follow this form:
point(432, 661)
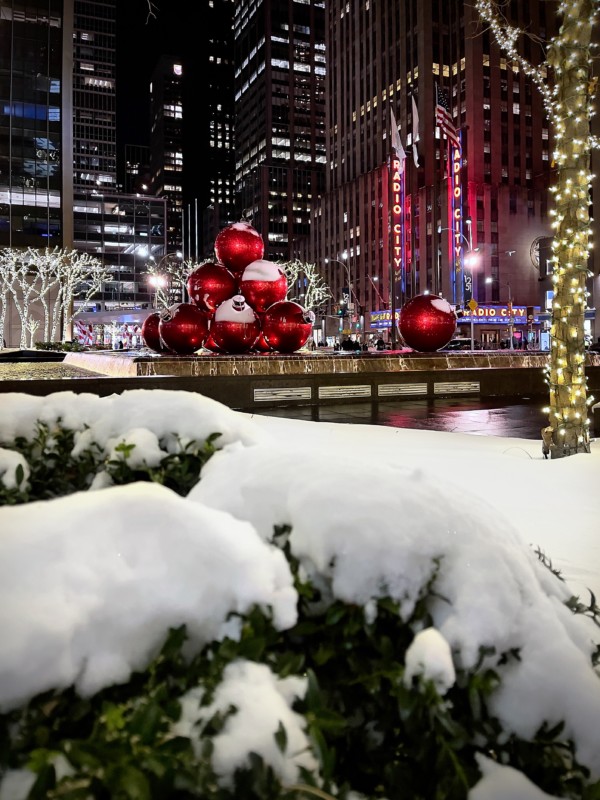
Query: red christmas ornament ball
point(209, 285)
point(209, 344)
point(183, 328)
point(287, 326)
point(150, 333)
point(427, 322)
point(235, 327)
point(263, 283)
point(261, 345)
point(238, 245)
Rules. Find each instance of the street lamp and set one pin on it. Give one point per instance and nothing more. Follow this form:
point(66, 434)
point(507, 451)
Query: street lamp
point(158, 283)
point(379, 297)
point(352, 304)
point(470, 260)
point(470, 250)
point(510, 253)
point(161, 277)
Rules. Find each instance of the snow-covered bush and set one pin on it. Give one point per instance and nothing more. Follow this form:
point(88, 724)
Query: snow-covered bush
point(267, 633)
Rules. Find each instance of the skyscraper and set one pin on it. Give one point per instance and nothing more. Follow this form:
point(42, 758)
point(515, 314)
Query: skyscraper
point(58, 153)
point(280, 117)
point(392, 57)
point(166, 142)
point(94, 96)
point(35, 134)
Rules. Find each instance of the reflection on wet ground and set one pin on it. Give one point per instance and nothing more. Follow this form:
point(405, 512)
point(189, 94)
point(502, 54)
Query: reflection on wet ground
point(521, 418)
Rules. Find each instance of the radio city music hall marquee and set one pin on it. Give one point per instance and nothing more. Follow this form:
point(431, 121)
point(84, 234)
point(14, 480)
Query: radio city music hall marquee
point(484, 315)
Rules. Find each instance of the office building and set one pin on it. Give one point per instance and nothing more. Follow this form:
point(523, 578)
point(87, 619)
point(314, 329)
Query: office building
point(391, 57)
point(137, 169)
point(58, 152)
point(94, 96)
point(280, 117)
point(166, 142)
point(216, 168)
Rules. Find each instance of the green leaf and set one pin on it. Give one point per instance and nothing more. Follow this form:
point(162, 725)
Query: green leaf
point(280, 737)
point(146, 722)
point(129, 782)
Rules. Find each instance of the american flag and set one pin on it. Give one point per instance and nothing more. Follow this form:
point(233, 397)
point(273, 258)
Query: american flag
point(443, 117)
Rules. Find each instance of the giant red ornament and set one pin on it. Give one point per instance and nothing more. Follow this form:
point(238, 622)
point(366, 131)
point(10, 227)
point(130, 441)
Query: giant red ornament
point(209, 285)
point(235, 327)
point(209, 344)
point(287, 326)
point(150, 333)
point(238, 245)
point(183, 328)
point(263, 283)
point(427, 322)
point(261, 345)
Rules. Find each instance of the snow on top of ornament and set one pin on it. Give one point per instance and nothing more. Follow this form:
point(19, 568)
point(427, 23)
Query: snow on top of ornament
point(441, 304)
point(235, 310)
point(262, 270)
point(241, 226)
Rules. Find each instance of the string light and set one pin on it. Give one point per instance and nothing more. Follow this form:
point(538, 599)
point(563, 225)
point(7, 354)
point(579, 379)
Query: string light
point(568, 103)
point(33, 276)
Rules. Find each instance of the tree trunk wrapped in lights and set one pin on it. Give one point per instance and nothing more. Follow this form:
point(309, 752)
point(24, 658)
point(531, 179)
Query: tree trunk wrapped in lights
point(568, 102)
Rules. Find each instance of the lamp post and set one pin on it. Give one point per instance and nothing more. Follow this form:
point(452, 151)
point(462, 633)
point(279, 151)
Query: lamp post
point(162, 274)
point(158, 283)
point(470, 260)
point(511, 329)
point(351, 303)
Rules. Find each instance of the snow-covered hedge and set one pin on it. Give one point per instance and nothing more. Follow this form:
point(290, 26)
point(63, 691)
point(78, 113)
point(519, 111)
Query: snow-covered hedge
point(267, 630)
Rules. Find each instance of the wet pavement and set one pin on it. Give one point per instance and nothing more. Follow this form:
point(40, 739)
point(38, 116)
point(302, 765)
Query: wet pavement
point(523, 419)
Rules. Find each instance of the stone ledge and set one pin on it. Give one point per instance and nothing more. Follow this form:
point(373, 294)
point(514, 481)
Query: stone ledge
point(136, 364)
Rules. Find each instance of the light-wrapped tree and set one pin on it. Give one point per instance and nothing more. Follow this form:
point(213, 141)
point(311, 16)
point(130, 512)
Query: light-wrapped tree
point(75, 275)
point(306, 284)
point(567, 86)
point(51, 277)
point(167, 276)
point(20, 286)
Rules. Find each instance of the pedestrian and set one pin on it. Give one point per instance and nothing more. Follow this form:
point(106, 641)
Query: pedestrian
point(380, 344)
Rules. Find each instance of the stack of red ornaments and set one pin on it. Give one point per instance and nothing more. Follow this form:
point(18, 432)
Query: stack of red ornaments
point(236, 304)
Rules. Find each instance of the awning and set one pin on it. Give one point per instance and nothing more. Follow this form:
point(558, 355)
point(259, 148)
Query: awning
point(113, 317)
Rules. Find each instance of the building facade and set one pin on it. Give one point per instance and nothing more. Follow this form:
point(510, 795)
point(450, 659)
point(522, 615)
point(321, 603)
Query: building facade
point(58, 181)
point(280, 117)
point(217, 166)
point(385, 58)
point(166, 143)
